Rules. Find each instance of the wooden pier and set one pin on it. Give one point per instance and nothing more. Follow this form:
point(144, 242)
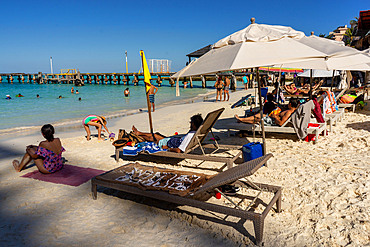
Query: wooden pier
point(79, 79)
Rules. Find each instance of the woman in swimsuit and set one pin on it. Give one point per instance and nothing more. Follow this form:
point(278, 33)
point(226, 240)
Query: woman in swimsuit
point(47, 155)
point(219, 86)
point(97, 122)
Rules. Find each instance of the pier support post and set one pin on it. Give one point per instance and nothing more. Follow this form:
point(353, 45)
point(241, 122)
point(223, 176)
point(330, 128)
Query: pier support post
point(97, 79)
point(172, 82)
point(136, 80)
point(114, 79)
point(204, 83)
point(124, 79)
point(106, 79)
point(233, 82)
point(159, 80)
point(191, 82)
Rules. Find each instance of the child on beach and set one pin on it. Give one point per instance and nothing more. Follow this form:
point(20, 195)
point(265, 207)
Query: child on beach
point(97, 122)
point(47, 155)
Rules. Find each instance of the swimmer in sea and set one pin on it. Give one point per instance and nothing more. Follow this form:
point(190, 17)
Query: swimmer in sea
point(126, 92)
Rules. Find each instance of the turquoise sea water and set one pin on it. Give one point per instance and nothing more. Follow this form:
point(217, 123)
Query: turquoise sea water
point(107, 100)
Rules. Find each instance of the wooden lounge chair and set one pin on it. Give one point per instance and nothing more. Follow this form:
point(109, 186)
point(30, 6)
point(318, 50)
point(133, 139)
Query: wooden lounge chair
point(273, 129)
point(200, 192)
point(197, 143)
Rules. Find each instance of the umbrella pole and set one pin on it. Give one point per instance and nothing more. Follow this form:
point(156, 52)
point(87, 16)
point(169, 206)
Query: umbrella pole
point(332, 81)
point(261, 111)
point(310, 94)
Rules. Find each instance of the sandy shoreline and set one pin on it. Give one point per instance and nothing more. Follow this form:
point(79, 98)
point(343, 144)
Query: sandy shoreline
point(326, 191)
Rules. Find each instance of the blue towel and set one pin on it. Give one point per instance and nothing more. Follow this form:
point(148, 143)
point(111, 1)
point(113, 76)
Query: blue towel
point(149, 147)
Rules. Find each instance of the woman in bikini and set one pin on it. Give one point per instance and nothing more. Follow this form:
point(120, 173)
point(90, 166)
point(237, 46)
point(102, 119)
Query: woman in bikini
point(219, 86)
point(98, 122)
point(47, 155)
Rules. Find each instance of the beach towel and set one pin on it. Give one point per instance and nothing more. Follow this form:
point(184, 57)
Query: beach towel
point(149, 147)
point(317, 112)
point(69, 175)
point(329, 104)
point(301, 118)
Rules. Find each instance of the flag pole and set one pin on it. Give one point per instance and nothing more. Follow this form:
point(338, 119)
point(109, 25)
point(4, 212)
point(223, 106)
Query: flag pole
point(147, 93)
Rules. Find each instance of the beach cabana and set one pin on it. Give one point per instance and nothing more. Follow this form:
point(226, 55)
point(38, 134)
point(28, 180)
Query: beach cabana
point(267, 45)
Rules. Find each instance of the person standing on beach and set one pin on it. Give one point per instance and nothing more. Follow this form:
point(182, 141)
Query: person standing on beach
point(152, 91)
point(219, 84)
point(98, 122)
point(226, 88)
point(245, 81)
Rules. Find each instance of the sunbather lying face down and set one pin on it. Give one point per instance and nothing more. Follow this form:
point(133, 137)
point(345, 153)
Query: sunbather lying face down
point(173, 144)
point(273, 119)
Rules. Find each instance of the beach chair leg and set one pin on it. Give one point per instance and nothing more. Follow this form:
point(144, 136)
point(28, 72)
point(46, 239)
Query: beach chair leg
point(94, 190)
point(317, 136)
point(278, 204)
point(330, 124)
point(229, 164)
point(258, 230)
point(117, 154)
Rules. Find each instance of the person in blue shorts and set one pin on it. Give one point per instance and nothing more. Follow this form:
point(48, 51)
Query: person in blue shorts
point(245, 81)
point(152, 91)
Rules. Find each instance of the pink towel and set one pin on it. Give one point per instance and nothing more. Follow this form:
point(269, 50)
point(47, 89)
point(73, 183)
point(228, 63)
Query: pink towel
point(69, 175)
point(317, 112)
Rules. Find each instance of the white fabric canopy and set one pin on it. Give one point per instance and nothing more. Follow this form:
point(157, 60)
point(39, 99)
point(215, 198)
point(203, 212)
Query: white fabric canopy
point(266, 45)
point(318, 73)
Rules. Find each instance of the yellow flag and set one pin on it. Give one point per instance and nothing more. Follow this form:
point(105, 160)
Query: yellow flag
point(147, 76)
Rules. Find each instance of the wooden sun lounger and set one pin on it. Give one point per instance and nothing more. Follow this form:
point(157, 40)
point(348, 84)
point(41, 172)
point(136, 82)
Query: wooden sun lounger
point(197, 143)
point(274, 129)
point(199, 196)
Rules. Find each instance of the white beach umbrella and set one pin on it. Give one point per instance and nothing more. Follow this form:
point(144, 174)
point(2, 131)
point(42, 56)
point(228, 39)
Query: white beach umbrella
point(318, 73)
point(267, 45)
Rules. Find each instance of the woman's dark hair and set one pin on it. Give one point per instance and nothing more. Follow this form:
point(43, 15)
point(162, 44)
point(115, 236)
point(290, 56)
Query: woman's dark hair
point(48, 131)
point(197, 120)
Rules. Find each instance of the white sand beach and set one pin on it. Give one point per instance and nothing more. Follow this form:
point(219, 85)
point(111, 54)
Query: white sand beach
point(325, 201)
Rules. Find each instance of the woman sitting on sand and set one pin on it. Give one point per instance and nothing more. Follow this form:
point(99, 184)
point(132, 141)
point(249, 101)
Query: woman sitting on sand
point(47, 155)
point(97, 122)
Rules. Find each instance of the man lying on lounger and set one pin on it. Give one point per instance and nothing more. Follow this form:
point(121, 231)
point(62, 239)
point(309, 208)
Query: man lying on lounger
point(175, 143)
point(272, 119)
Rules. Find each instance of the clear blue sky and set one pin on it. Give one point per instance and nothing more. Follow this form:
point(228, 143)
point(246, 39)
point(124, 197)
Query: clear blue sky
point(92, 36)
